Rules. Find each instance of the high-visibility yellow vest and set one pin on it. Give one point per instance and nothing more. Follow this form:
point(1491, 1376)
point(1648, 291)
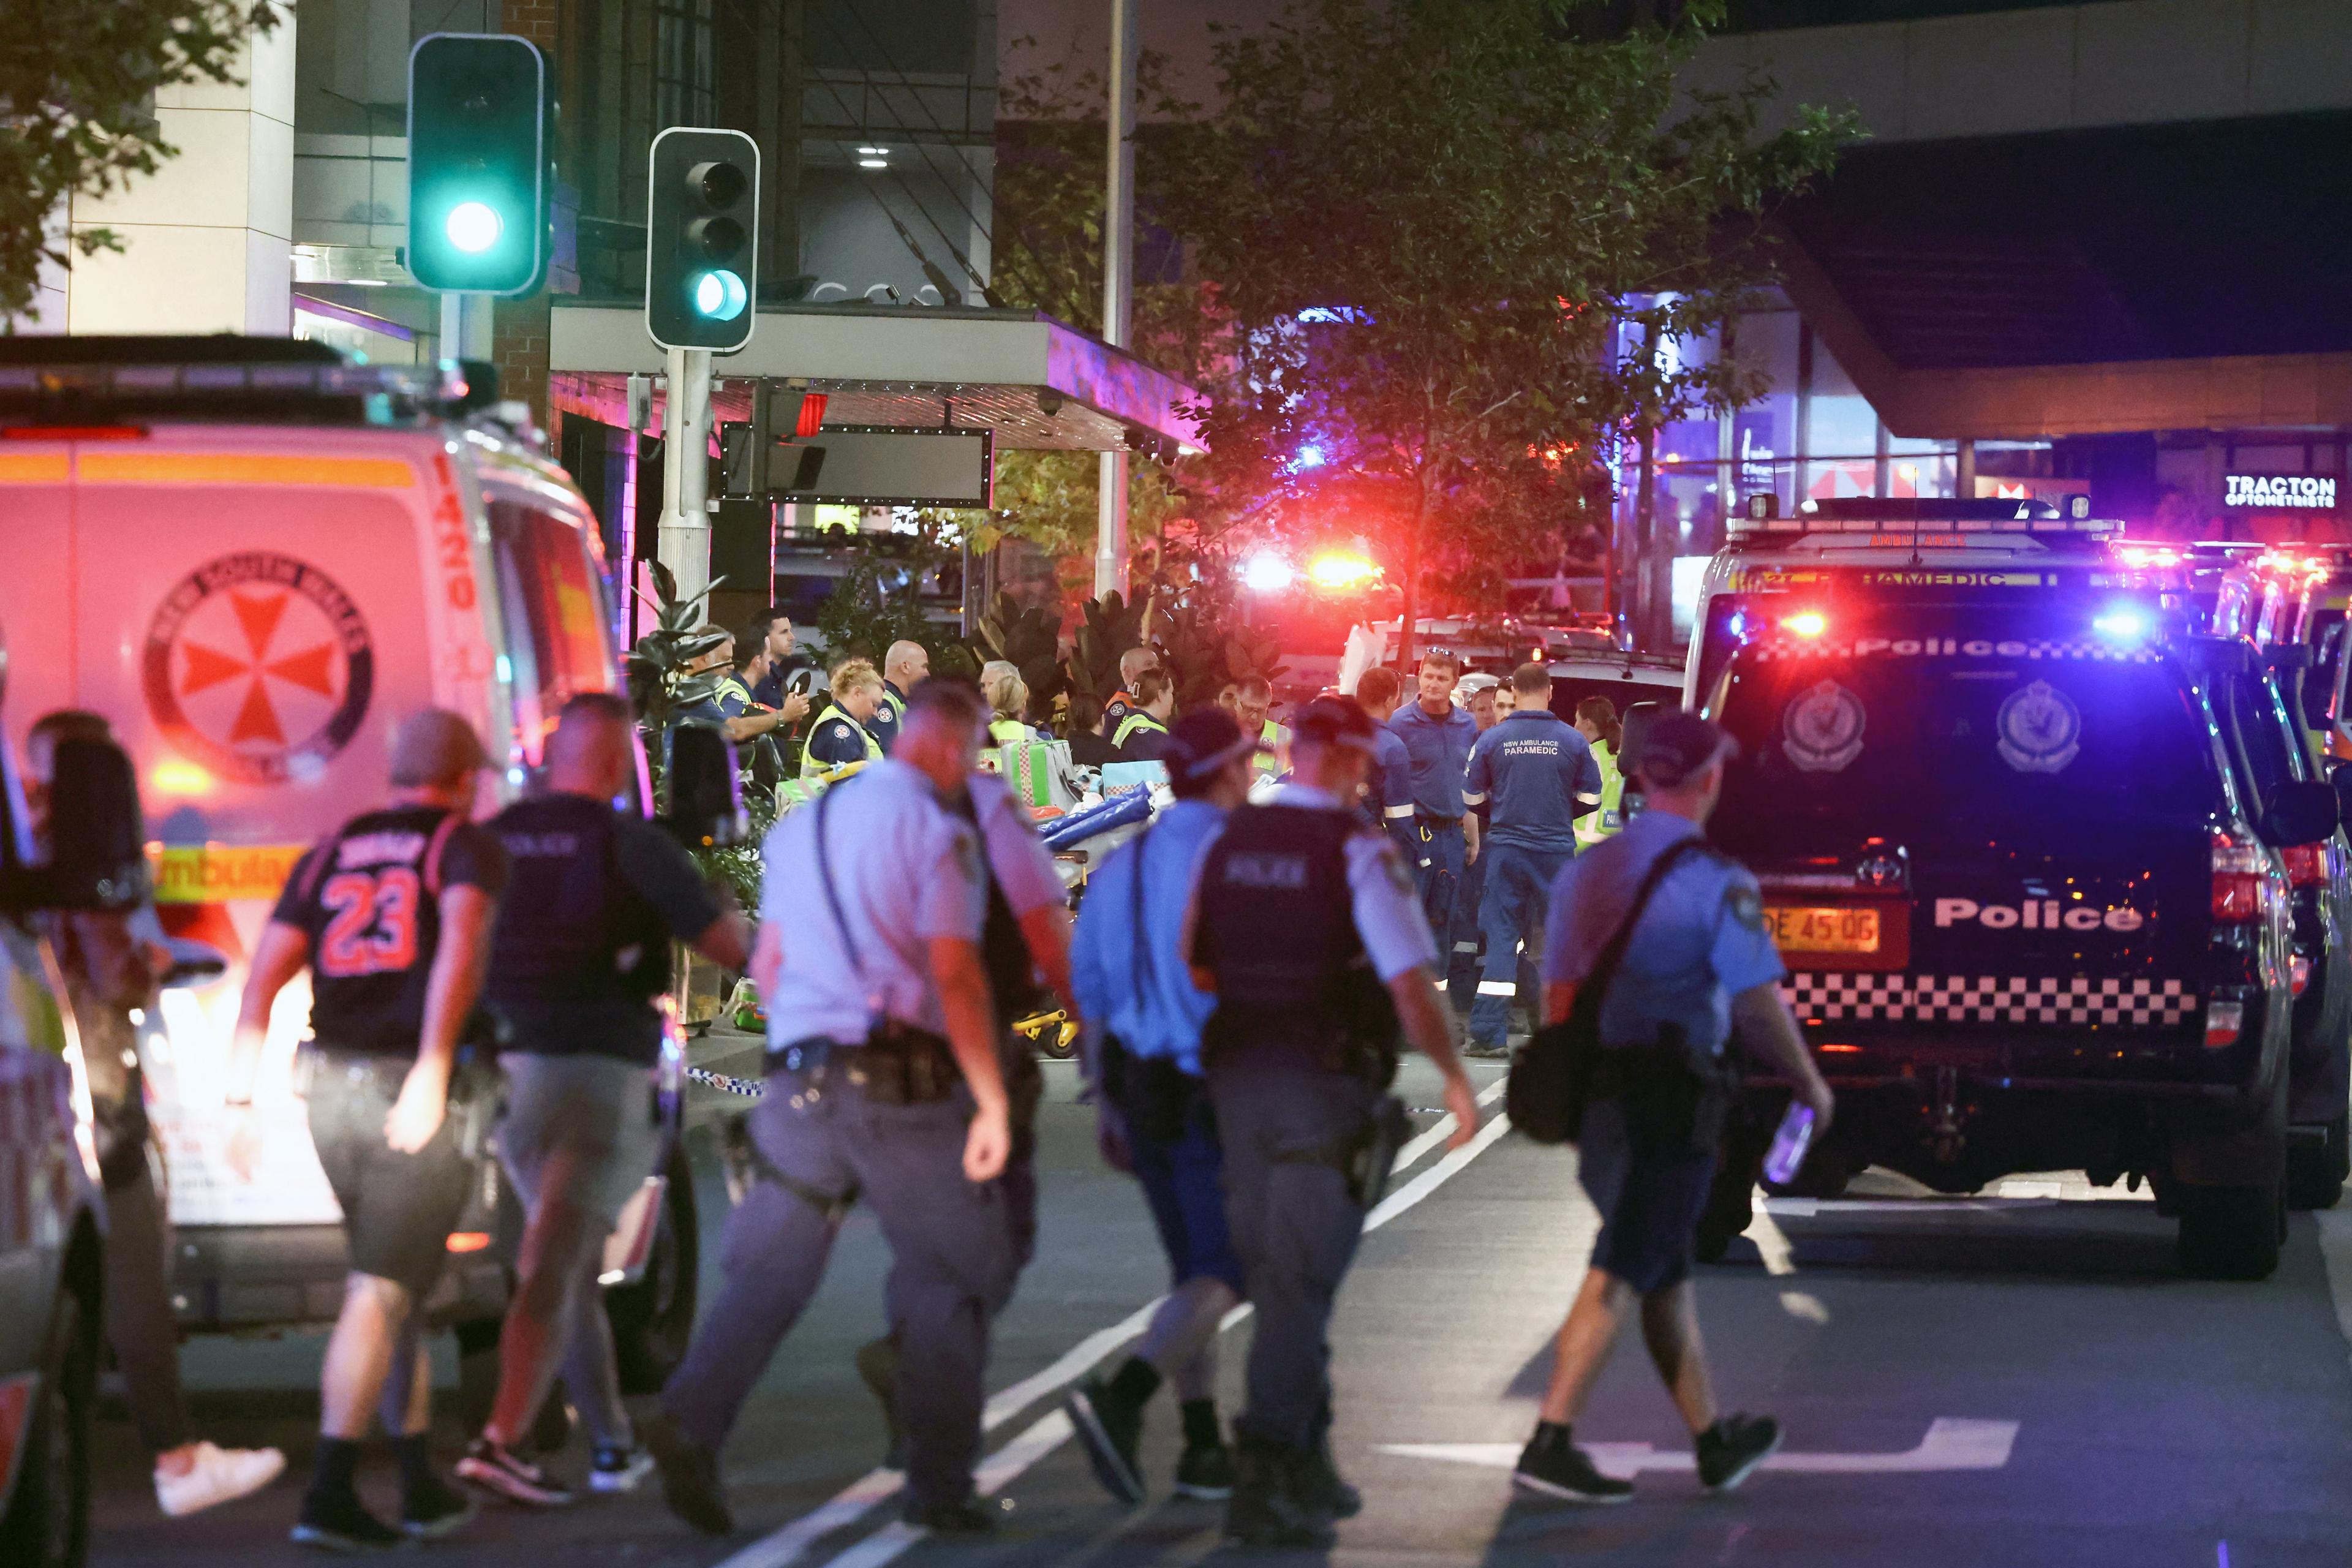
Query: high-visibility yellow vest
point(1133, 723)
point(1007, 731)
point(1273, 740)
point(1595, 826)
point(814, 766)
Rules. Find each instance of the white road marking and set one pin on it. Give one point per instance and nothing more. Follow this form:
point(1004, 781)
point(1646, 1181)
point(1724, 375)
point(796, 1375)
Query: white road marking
point(2336, 1252)
point(875, 1488)
point(1804, 1304)
point(1952, 1443)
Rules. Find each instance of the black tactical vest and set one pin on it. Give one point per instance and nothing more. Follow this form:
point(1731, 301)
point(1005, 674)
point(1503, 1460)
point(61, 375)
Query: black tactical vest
point(1277, 927)
point(571, 930)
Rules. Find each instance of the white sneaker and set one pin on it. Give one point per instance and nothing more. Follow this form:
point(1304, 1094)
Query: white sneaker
point(219, 1475)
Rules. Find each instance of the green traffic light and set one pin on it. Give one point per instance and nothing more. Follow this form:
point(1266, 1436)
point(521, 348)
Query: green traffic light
point(472, 227)
point(720, 295)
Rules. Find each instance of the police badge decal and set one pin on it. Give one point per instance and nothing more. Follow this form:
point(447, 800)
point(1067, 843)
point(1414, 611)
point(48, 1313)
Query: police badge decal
point(2040, 728)
point(1821, 730)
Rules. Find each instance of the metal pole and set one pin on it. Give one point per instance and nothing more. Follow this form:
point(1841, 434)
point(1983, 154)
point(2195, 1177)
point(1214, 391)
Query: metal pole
point(685, 543)
point(1119, 280)
point(465, 326)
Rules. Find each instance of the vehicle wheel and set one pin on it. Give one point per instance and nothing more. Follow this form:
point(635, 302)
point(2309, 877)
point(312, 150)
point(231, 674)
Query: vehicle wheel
point(652, 1318)
point(48, 1521)
point(2316, 1172)
point(2230, 1233)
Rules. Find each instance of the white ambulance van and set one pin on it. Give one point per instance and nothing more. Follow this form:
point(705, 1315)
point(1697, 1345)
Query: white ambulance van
point(255, 558)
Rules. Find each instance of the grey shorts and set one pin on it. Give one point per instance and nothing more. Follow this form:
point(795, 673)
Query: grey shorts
point(398, 1209)
point(583, 1121)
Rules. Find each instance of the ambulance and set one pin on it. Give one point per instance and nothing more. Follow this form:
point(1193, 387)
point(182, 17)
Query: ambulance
point(254, 558)
point(2032, 849)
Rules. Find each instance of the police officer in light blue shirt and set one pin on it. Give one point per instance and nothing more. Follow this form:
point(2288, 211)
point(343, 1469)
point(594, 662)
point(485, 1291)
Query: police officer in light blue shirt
point(1535, 775)
point(1696, 956)
point(884, 1086)
point(1437, 737)
point(1144, 1017)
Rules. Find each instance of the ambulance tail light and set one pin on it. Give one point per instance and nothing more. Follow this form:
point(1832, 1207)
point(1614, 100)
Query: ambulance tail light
point(1805, 624)
point(2299, 973)
point(2222, 1022)
point(2237, 882)
point(2306, 864)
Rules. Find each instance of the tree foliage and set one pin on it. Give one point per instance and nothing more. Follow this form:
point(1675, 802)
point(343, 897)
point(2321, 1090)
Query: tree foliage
point(77, 86)
point(1434, 228)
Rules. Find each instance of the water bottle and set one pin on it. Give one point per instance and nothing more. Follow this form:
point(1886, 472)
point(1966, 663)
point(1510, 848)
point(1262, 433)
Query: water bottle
point(1790, 1143)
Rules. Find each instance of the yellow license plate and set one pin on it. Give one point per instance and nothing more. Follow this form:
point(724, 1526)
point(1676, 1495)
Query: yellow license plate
point(1823, 930)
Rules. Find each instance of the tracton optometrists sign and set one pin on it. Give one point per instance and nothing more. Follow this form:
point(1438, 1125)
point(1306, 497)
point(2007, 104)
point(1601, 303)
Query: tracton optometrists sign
point(2283, 492)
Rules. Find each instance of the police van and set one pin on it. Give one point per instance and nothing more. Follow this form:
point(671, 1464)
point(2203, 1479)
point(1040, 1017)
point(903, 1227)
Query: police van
point(254, 558)
point(2025, 844)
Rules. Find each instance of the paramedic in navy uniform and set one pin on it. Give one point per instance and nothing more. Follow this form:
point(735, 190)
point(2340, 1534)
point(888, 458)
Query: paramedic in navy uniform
point(1437, 736)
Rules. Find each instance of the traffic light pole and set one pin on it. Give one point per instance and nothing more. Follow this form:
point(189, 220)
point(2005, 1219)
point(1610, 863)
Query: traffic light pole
point(684, 545)
point(465, 326)
point(1119, 281)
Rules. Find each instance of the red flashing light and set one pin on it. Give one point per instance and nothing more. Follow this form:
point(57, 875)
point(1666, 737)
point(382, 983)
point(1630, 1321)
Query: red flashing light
point(2306, 864)
point(1805, 624)
point(469, 1240)
point(1340, 572)
point(2147, 557)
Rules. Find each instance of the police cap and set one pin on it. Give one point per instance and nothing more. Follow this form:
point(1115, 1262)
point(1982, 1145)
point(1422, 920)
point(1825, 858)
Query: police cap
point(1199, 746)
point(1334, 721)
point(1679, 745)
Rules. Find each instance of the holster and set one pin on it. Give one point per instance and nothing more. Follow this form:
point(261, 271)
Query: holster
point(1155, 1097)
point(902, 1065)
point(1366, 1158)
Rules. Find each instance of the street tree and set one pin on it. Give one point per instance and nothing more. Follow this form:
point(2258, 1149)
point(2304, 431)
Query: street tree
point(77, 86)
point(1466, 253)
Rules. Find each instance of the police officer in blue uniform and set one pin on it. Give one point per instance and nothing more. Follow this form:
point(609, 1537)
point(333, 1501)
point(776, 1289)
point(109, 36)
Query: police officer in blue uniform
point(1535, 775)
point(1144, 1017)
point(1695, 961)
point(1307, 930)
point(904, 663)
point(1437, 736)
point(884, 1084)
point(581, 950)
point(1378, 692)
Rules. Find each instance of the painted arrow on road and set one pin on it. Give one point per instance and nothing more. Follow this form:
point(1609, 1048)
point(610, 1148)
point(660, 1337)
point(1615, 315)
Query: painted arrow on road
point(1951, 1444)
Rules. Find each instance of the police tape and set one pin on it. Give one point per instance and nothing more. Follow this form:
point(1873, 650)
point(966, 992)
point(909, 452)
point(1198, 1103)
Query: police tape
point(752, 1088)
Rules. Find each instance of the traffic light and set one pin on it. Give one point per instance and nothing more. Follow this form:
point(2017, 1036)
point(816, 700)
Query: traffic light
point(702, 238)
point(477, 164)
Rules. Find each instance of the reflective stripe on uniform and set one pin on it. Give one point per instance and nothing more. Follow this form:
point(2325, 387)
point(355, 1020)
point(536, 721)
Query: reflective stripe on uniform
point(1399, 812)
point(1466, 947)
point(1588, 799)
point(1470, 798)
point(1499, 988)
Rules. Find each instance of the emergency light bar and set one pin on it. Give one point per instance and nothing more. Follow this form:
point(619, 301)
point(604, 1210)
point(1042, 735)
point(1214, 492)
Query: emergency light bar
point(1790, 528)
point(48, 380)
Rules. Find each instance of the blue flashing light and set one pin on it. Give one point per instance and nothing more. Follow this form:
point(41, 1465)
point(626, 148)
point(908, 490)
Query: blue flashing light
point(2124, 624)
point(1310, 456)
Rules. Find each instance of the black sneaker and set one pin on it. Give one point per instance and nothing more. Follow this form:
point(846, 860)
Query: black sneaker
point(877, 1368)
point(690, 1475)
point(432, 1511)
point(341, 1522)
point(1110, 1429)
point(1205, 1472)
point(496, 1469)
point(618, 1470)
point(1552, 1464)
point(1734, 1447)
point(1487, 1050)
point(1267, 1508)
point(1323, 1488)
point(966, 1517)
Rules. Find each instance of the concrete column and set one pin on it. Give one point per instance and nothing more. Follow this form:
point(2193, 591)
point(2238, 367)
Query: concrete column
point(208, 238)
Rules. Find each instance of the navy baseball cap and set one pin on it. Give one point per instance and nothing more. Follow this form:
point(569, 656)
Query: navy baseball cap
point(1679, 745)
point(1200, 744)
point(1335, 721)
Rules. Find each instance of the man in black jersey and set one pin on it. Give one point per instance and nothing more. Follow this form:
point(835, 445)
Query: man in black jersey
point(392, 913)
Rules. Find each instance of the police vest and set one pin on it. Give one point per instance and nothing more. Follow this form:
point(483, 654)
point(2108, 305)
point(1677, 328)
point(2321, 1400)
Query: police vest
point(1276, 926)
point(568, 917)
point(814, 766)
point(1007, 731)
point(1132, 724)
point(1003, 951)
point(731, 685)
point(1595, 826)
point(1271, 739)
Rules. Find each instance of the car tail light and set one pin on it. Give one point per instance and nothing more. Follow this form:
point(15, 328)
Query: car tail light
point(2222, 1022)
point(2237, 882)
point(2300, 972)
point(478, 1240)
point(2306, 864)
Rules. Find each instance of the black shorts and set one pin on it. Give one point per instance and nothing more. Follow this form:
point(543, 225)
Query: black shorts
point(1650, 1196)
point(398, 1209)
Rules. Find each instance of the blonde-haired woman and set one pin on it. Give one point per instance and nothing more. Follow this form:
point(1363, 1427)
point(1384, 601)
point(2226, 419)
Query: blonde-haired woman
point(1008, 700)
point(841, 735)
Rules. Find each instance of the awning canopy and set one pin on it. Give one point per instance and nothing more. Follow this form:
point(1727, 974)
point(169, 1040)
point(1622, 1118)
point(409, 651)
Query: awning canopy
point(1036, 383)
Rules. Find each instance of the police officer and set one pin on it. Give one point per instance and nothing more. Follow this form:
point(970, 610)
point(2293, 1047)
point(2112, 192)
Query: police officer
point(581, 950)
point(1597, 721)
point(783, 687)
point(1306, 931)
point(1253, 712)
point(1144, 1017)
point(748, 722)
point(392, 913)
point(1695, 961)
point(1142, 735)
point(1131, 666)
point(903, 664)
point(841, 737)
point(1437, 736)
point(1537, 776)
point(883, 1083)
point(1378, 692)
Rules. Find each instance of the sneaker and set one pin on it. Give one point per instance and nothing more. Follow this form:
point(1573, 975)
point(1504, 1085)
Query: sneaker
point(618, 1470)
point(1267, 1508)
point(1556, 1466)
point(878, 1367)
point(496, 1469)
point(341, 1522)
point(1205, 1472)
point(1110, 1430)
point(217, 1476)
point(690, 1476)
point(1731, 1449)
point(1322, 1486)
point(965, 1518)
point(433, 1511)
point(1487, 1050)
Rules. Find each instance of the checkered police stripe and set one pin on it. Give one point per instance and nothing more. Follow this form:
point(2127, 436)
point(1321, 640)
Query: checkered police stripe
point(749, 1087)
point(1986, 1000)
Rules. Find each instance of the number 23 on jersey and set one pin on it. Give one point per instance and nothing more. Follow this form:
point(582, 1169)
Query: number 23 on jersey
point(371, 928)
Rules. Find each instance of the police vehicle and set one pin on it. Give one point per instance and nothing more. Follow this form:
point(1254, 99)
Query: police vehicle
point(253, 557)
point(2026, 846)
point(51, 1260)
